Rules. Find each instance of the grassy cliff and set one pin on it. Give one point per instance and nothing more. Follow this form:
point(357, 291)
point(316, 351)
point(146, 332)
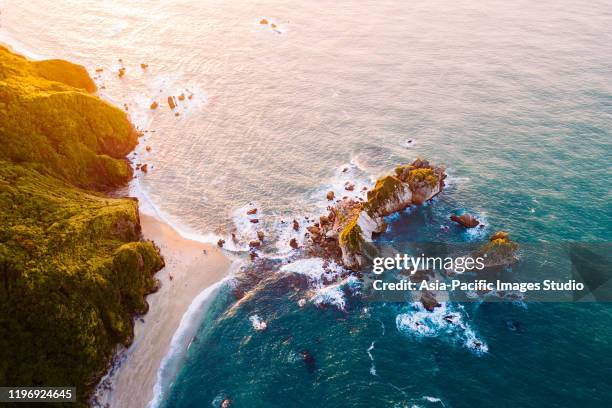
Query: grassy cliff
point(58, 128)
point(73, 269)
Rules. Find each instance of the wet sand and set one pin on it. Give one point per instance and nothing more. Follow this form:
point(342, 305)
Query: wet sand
point(188, 271)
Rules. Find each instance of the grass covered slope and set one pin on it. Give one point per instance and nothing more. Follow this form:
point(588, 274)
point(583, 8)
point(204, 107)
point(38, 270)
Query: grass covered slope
point(73, 270)
point(59, 128)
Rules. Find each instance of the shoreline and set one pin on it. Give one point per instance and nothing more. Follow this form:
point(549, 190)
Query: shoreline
point(188, 284)
point(192, 268)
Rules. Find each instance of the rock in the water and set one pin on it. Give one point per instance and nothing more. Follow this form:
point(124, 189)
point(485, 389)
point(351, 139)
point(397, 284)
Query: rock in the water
point(260, 235)
point(121, 72)
point(499, 251)
point(144, 168)
point(263, 21)
point(220, 243)
point(154, 105)
point(466, 220)
point(348, 186)
point(181, 97)
point(499, 235)
point(314, 230)
point(254, 244)
point(171, 102)
point(354, 222)
point(252, 211)
point(144, 66)
point(293, 243)
point(429, 300)
point(308, 360)
point(330, 195)
point(226, 403)
point(254, 220)
point(296, 225)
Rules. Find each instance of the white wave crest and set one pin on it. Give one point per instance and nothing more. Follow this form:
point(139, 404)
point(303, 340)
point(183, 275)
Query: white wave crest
point(335, 295)
point(258, 323)
point(316, 269)
point(444, 322)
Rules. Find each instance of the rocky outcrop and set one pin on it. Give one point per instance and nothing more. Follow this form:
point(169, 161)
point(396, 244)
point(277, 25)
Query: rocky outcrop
point(352, 223)
point(499, 251)
point(465, 220)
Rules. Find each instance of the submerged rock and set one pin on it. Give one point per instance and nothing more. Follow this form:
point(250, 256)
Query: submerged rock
point(308, 360)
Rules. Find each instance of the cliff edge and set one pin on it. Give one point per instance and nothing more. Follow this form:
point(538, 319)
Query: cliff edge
point(73, 267)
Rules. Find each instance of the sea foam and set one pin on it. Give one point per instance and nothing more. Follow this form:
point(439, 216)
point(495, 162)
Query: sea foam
point(443, 322)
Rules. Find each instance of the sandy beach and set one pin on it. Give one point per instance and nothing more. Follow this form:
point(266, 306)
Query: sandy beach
point(191, 267)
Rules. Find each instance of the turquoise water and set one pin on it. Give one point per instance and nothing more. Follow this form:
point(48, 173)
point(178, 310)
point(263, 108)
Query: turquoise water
point(524, 126)
point(515, 98)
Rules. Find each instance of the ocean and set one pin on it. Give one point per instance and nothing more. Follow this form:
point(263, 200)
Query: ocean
point(514, 98)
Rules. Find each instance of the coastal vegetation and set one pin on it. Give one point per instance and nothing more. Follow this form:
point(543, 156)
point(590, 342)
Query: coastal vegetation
point(499, 251)
point(351, 236)
point(73, 268)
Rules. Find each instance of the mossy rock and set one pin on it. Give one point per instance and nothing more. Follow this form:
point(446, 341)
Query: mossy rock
point(500, 250)
point(383, 190)
point(351, 236)
point(417, 177)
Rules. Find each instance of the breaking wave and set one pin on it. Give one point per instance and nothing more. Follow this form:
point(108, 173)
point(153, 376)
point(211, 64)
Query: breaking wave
point(444, 322)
